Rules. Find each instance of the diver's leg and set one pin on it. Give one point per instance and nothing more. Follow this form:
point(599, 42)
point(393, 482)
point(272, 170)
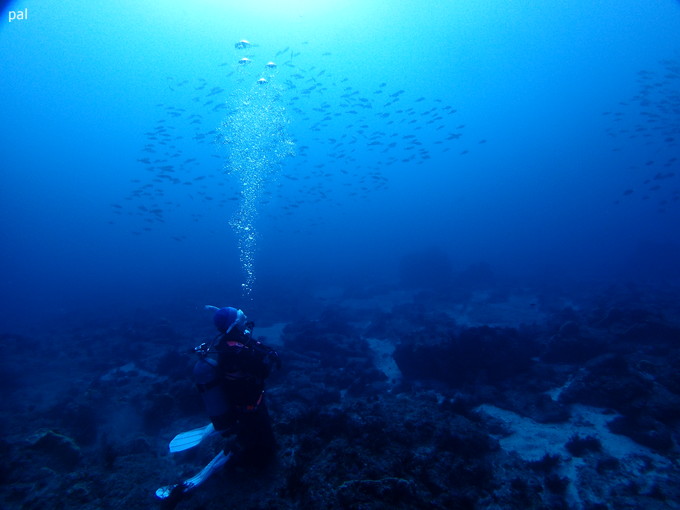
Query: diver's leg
point(220, 460)
point(176, 491)
point(255, 442)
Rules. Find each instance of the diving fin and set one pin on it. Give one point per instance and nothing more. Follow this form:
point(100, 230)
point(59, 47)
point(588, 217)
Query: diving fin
point(170, 490)
point(191, 438)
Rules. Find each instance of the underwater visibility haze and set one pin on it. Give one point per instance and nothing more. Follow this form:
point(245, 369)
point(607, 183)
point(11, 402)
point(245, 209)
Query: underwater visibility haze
point(366, 180)
point(503, 134)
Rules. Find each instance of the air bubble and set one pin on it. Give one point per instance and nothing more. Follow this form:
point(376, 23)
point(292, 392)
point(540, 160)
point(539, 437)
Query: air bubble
point(256, 137)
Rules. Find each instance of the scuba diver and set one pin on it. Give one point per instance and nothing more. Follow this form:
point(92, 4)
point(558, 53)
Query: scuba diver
point(232, 388)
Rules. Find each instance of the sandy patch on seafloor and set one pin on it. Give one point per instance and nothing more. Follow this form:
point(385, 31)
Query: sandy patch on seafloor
point(531, 441)
point(383, 360)
point(271, 334)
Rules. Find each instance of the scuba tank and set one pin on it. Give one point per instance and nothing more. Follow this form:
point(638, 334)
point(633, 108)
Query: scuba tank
point(209, 386)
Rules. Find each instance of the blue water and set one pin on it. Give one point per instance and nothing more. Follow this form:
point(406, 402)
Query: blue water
point(540, 139)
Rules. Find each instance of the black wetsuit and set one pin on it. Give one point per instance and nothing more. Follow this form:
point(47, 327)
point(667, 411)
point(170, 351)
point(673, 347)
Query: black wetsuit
point(243, 365)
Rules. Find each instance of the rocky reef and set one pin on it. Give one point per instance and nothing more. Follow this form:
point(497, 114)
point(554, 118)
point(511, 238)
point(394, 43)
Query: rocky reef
point(504, 400)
